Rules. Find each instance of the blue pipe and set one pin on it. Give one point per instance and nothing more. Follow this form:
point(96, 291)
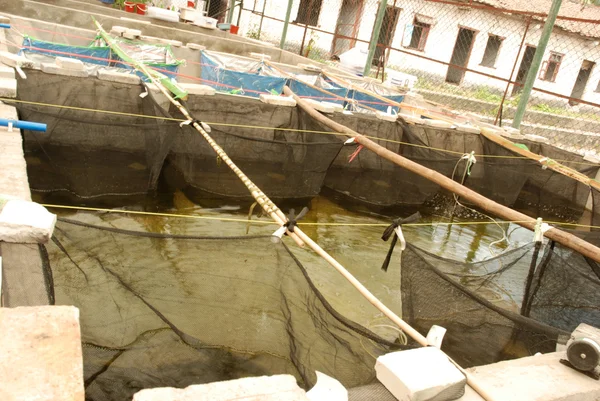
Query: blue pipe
point(23, 125)
point(6, 26)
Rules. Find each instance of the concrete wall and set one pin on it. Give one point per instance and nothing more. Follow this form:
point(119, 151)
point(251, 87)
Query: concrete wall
point(79, 14)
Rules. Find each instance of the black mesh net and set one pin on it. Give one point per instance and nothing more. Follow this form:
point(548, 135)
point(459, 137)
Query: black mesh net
point(91, 155)
point(284, 164)
point(498, 174)
point(167, 310)
point(519, 303)
point(84, 153)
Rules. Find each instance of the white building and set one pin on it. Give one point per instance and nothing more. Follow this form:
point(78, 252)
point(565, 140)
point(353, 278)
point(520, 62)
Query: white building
point(427, 35)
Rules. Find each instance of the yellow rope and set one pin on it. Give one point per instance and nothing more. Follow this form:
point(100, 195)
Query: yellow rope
point(246, 221)
point(278, 129)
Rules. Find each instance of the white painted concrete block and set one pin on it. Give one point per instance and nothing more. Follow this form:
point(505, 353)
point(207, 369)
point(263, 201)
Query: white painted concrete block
point(137, 21)
point(590, 157)
point(385, 116)
point(196, 89)
point(327, 389)
point(174, 43)
point(512, 131)
point(536, 138)
point(118, 29)
point(437, 123)
point(195, 46)
point(150, 39)
point(320, 106)
point(310, 67)
point(468, 128)
point(40, 354)
point(260, 56)
point(12, 60)
point(7, 72)
point(420, 374)
point(411, 118)
point(278, 100)
point(51, 68)
point(338, 108)
point(8, 87)
point(113, 76)
point(132, 34)
point(25, 222)
point(70, 63)
point(265, 388)
point(533, 378)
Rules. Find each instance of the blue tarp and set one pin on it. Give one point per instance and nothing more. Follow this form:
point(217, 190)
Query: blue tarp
point(364, 99)
point(243, 83)
point(91, 54)
point(303, 90)
point(94, 55)
point(368, 100)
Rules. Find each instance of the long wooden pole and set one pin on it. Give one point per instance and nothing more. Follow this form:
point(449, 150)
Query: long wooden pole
point(564, 238)
point(297, 233)
point(552, 165)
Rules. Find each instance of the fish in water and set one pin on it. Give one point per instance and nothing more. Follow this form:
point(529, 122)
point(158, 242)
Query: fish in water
point(137, 166)
point(276, 176)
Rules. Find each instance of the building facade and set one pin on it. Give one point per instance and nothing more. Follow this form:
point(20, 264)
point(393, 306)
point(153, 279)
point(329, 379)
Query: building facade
point(424, 37)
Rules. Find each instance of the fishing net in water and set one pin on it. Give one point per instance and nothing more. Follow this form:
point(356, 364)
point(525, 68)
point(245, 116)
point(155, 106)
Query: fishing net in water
point(85, 154)
point(499, 308)
point(498, 173)
point(168, 310)
point(283, 158)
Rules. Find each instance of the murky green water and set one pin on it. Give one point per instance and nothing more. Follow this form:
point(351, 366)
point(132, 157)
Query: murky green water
point(359, 248)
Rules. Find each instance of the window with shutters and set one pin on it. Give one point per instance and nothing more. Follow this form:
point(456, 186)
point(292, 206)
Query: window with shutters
point(308, 12)
point(492, 49)
point(551, 66)
point(420, 32)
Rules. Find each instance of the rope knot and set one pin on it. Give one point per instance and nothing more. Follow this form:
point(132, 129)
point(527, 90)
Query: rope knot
point(396, 228)
point(293, 219)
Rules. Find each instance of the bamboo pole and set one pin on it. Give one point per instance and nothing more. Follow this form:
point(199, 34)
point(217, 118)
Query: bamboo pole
point(552, 165)
point(298, 234)
point(263, 200)
point(564, 238)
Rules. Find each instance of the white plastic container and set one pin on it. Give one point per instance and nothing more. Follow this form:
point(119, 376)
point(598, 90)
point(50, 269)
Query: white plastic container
point(188, 14)
point(205, 22)
point(354, 60)
point(162, 14)
point(397, 78)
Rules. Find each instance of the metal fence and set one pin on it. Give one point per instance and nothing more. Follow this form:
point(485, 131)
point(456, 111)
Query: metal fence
point(471, 56)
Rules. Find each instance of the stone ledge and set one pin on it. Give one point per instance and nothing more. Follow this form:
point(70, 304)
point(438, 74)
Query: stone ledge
point(534, 378)
point(41, 356)
point(25, 222)
point(265, 388)
point(51, 68)
point(7, 72)
point(195, 46)
point(320, 106)
point(12, 60)
point(70, 64)
point(122, 77)
point(195, 89)
point(8, 87)
point(278, 100)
